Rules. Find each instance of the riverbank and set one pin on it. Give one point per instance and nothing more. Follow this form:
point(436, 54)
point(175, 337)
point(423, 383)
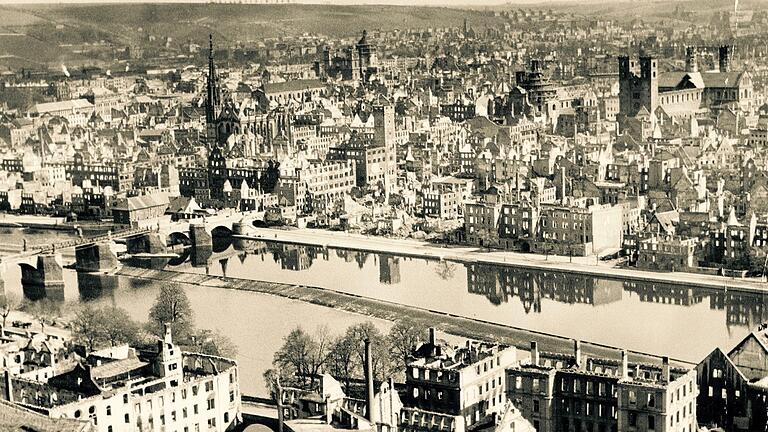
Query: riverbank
point(390, 311)
point(589, 266)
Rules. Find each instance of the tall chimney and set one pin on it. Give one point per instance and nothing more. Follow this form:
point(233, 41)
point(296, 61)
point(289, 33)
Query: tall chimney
point(369, 379)
point(534, 353)
point(562, 182)
point(665, 369)
point(432, 338)
point(624, 365)
point(577, 352)
point(724, 58)
point(691, 65)
point(392, 413)
point(8, 386)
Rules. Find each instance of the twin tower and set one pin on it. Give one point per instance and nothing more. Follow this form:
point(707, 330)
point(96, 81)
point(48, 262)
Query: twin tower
point(639, 79)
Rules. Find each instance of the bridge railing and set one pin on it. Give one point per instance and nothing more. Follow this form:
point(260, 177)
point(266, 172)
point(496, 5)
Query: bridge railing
point(96, 239)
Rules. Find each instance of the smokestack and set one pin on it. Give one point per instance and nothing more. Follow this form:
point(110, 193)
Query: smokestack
point(577, 352)
point(691, 65)
point(534, 353)
point(665, 369)
point(432, 338)
point(724, 58)
point(562, 183)
point(8, 386)
point(369, 379)
point(392, 413)
point(624, 365)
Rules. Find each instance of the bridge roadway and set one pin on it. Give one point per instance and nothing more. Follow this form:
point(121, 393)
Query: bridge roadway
point(225, 219)
point(53, 247)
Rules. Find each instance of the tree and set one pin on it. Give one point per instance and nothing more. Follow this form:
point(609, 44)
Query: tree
point(118, 327)
point(106, 326)
point(44, 311)
point(380, 358)
point(171, 306)
point(291, 358)
point(319, 352)
point(341, 359)
point(304, 355)
point(86, 327)
point(8, 303)
point(213, 342)
point(403, 339)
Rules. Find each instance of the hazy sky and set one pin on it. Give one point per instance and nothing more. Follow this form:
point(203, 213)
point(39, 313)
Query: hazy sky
point(342, 2)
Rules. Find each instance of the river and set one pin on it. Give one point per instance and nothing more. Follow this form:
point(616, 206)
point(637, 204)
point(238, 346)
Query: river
point(684, 323)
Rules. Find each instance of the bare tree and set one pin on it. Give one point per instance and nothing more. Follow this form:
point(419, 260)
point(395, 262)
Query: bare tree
point(171, 306)
point(8, 303)
point(403, 339)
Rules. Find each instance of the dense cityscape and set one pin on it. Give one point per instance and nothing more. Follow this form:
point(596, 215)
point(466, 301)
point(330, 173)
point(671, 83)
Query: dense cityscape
point(281, 217)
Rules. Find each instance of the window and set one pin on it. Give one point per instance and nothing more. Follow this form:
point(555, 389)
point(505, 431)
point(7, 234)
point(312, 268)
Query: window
point(211, 404)
point(127, 418)
point(651, 422)
point(109, 410)
point(535, 405)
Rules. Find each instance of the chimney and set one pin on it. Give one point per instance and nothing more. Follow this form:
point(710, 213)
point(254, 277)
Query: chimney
point(577, 352)
point(624, 365)
point(665, 369)
point(432, 338)
point(534, 353)
point(369, 380)
point(8, 386)
point(691, 65)
point(724, 58)
point(392, 413)
point(562, 183)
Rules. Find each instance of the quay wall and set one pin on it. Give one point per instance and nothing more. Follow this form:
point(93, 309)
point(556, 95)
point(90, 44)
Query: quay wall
point(450, 323)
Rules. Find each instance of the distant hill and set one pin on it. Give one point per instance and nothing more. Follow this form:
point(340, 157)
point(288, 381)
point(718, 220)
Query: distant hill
point(33, 35)
point(44, 32)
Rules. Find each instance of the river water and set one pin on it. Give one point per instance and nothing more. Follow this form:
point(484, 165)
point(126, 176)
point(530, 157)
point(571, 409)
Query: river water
point(681, 322)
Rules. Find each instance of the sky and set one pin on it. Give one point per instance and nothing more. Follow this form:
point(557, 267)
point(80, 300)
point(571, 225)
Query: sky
point(340, 2)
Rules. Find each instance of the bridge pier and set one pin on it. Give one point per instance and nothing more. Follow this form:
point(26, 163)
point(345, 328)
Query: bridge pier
point(145, 243)
point(45, 279)
point(239, 228)
point(97, 257)
point(202, 244)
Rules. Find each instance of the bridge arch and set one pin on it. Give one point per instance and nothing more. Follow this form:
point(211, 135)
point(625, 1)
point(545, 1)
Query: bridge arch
point(222, 238)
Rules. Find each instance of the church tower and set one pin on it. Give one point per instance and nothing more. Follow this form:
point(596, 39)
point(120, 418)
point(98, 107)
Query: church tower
point(213, 99)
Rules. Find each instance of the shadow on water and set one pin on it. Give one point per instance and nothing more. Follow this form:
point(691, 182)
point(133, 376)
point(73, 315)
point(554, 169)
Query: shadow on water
point(93, 286)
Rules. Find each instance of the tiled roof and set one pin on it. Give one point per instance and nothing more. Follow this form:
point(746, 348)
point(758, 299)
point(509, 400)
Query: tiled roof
point(117, 367)
point(291, 86)
point(16, 418)
point(69, 105)
point(721, 79)
point(143, 201)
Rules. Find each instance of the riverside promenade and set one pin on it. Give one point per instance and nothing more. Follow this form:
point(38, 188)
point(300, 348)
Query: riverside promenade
point(462, 326)
point(576, 265)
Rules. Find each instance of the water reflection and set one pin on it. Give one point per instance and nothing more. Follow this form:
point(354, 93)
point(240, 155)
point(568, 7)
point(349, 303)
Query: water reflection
point(93, 286)
point(498, 284)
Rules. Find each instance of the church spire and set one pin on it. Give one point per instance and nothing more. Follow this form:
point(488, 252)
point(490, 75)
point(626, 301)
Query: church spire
point(213, 101)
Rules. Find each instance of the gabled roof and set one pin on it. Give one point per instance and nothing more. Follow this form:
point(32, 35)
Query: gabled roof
point(16, 418)
point(722, 79)
point(142, 202)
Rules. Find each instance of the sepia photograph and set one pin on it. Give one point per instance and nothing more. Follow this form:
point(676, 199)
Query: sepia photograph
point(384, 215)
